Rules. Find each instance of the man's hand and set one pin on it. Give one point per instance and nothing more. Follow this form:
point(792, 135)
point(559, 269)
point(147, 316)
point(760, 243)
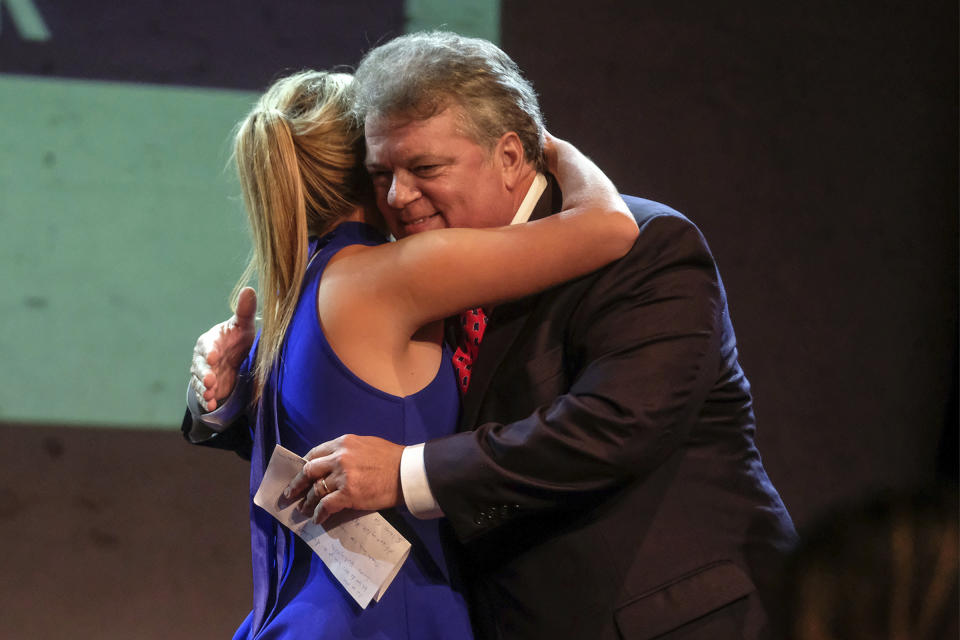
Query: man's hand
point(219, 352)
point(351, 472)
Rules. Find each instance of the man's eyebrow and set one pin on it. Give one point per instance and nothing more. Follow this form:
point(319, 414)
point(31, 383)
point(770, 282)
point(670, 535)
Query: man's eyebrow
point(422, 159)
point(429, 159)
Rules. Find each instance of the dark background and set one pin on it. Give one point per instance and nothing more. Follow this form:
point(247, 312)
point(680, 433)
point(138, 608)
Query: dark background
point(815, 144)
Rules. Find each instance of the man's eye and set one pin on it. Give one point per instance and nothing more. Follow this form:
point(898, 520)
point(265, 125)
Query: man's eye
point(426, 169)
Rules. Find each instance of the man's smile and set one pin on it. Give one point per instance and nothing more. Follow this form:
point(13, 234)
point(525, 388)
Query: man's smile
point(416, 225)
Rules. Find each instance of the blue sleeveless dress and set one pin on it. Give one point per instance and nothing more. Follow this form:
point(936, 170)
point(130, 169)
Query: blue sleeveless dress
point(312, 397)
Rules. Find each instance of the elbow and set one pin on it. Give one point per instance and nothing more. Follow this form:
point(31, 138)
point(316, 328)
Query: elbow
point(626, 231)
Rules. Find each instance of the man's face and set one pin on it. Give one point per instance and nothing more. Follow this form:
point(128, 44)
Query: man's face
point(428, 175)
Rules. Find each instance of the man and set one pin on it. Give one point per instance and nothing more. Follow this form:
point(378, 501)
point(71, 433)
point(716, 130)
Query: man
point(605, 482)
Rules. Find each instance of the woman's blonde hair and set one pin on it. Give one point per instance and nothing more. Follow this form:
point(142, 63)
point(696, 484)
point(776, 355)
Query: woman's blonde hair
point(298, 157)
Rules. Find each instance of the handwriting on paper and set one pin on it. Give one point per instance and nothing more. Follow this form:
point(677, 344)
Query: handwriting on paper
point(361, 549)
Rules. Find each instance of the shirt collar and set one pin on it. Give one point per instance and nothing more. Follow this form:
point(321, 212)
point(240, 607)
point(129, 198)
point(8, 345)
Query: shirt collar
point(530, 200)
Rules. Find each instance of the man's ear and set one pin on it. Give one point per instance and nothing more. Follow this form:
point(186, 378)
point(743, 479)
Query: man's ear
point(513, 161)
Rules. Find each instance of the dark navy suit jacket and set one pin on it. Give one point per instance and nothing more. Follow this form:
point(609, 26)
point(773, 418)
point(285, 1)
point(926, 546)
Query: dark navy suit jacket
point(606, 482)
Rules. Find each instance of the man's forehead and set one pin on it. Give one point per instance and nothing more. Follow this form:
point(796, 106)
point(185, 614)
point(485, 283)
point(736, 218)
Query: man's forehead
point(406, 136)
point(377, 127)
point(392, 124)
point(404, 113)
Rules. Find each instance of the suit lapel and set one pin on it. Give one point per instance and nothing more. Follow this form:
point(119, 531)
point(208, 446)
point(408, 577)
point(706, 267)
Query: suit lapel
point(506, 322)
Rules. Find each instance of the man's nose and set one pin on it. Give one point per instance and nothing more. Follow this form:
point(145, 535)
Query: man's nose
point(402, 192)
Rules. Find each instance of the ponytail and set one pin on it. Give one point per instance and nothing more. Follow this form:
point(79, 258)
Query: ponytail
point(297, 156)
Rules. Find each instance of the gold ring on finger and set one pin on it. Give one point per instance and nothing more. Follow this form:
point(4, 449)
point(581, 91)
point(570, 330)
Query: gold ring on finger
point(323, 483)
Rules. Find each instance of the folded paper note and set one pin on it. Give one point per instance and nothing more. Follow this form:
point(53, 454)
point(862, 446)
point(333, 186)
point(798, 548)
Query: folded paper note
point(360, 548)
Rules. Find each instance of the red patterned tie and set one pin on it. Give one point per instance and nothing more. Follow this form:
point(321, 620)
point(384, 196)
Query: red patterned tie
point(473, 323)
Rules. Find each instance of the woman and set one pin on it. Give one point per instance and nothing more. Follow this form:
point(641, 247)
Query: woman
point(352, 335)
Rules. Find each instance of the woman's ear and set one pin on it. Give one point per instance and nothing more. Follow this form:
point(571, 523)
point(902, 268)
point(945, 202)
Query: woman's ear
point(513, 161)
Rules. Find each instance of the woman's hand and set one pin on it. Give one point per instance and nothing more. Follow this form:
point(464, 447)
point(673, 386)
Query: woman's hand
point(550, 151)
point(582, 182)
point(560, 156)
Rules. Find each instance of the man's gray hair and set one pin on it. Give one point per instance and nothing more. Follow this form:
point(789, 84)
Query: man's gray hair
point(420, 74)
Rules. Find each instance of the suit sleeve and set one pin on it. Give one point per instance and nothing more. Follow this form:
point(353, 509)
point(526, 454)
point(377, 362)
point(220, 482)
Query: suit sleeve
point(643, 342)
point(228, 427)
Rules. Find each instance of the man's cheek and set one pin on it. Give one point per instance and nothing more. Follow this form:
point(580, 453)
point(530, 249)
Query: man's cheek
point(389, 213)
point(394, 225)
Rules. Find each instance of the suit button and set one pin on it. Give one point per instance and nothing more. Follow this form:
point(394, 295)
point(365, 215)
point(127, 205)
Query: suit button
point(505, 511)
point(478, 519)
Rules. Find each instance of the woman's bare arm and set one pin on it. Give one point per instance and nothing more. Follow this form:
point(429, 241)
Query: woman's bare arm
point(435, 274)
